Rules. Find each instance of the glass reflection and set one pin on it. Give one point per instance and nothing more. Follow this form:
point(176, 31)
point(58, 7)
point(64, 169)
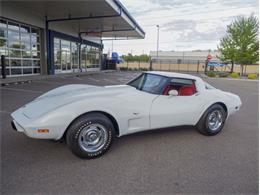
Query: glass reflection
point(13, 26)
point(21, 46)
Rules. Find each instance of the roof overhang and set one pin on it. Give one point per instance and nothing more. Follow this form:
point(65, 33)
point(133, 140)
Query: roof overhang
point(102, 18)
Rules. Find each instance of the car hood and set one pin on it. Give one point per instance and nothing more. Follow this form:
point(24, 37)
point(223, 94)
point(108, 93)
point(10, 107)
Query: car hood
point(70, 93)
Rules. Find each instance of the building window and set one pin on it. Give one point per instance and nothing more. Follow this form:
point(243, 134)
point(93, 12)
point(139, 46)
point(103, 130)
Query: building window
point(21, 46)
point(90, 57)
point(84, 57)
point(66, 56)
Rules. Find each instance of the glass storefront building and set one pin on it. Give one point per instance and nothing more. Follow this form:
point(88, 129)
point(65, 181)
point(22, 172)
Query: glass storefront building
point(21, 46)
point(36, 38)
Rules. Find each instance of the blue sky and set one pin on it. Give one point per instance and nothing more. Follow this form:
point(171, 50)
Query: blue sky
point(184, 24)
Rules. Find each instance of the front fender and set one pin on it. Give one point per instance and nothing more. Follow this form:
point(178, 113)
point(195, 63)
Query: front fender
point(59, 119)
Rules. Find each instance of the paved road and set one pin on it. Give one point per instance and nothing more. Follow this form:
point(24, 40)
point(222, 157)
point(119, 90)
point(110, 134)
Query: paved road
point(177, 160)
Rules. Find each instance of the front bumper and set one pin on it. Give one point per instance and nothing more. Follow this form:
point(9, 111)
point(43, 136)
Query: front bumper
point(13, 126)
point(33, 128)
point(17, 127)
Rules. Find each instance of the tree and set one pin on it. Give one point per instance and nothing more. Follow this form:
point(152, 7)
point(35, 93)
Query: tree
point(241, 44)
point(227, 51)
point(136, 58)
point(2, 41)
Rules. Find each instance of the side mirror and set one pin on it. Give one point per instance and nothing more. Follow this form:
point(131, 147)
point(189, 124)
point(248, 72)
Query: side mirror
point(173, 92)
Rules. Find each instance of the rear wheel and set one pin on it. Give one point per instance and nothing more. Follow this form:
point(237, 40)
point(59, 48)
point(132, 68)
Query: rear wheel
point(91, 135)
point(212, 121)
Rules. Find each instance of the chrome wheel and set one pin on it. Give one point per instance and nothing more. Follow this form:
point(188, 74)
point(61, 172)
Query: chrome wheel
point(215, 120)
point(93, 137)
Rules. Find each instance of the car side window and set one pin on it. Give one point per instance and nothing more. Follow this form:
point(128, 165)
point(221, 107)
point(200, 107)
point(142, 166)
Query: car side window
point(185, 87)
point(137, 82)
point(150, 83)
point(154, 83)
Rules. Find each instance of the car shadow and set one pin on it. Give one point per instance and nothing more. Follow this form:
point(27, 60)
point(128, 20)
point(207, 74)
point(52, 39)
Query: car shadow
point(161, 131)
point(156, 134)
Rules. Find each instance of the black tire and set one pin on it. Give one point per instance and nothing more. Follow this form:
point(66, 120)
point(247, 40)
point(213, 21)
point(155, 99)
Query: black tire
point(74, 133)
point(203, 124)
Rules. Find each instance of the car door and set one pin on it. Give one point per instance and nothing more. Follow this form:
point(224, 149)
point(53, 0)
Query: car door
point(183, 109)
point(136, 104)
point(136, 110)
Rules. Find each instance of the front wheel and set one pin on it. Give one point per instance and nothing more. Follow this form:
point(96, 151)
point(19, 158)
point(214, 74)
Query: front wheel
point(212, 121)
point(90, 135)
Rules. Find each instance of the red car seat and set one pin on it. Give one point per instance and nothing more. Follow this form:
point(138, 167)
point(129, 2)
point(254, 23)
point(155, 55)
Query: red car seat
point(167, 89)
point(187, 90)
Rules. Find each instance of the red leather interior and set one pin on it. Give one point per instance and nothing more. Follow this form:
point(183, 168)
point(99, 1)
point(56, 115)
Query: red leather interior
point(183, 91)
point(167, 89)
point(187, 90)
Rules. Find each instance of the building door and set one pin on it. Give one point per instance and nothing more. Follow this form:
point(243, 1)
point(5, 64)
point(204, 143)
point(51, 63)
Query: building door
point(65, 56)
point(65, 61)
point(75, 57)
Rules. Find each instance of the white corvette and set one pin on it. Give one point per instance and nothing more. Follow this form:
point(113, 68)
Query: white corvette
point(89, 117)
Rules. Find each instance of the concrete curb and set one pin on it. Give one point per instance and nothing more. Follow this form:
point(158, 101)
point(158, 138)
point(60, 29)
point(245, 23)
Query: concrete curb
point(234, 79)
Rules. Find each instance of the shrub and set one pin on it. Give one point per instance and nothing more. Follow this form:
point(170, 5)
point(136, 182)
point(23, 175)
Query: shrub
point(234, 75)
point(144, 69)
point(211, 74)
point(223, 74)
point(252, 76)
point(123, 68)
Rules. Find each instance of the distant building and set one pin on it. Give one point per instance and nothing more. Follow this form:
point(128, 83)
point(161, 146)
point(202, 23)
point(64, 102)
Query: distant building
point(184, 56)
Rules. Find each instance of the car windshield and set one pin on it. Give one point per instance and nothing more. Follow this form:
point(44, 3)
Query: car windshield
point(150, 83)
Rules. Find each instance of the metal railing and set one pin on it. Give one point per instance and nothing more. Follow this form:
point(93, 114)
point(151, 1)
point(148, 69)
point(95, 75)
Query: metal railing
point(184, 66)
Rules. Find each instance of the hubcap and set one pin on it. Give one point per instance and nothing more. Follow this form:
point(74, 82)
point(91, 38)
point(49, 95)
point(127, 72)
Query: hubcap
point(93, 137)
point(215, 120)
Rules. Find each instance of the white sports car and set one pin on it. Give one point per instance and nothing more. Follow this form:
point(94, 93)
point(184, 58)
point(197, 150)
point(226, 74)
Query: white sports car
point(89, 117)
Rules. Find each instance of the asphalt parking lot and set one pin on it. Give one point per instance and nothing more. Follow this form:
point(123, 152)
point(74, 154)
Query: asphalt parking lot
point(176, 160)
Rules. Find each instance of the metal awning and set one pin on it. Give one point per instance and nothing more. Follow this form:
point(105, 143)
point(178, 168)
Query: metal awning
point(102, 18)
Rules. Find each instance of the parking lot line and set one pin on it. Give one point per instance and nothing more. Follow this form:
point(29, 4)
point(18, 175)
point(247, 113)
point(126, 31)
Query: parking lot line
point(78, 78)
point(110, 80)
point(50, 82)
point(5, 112)
point(92, 79)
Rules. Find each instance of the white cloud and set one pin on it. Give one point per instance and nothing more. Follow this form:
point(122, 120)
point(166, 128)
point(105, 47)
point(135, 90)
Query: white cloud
point(184, 24)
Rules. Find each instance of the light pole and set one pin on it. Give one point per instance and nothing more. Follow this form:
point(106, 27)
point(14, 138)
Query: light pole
point(112, 45)
point(158, 27)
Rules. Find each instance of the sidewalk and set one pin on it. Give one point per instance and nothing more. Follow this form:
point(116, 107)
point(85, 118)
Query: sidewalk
point(27, 79)
point(235, 79)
